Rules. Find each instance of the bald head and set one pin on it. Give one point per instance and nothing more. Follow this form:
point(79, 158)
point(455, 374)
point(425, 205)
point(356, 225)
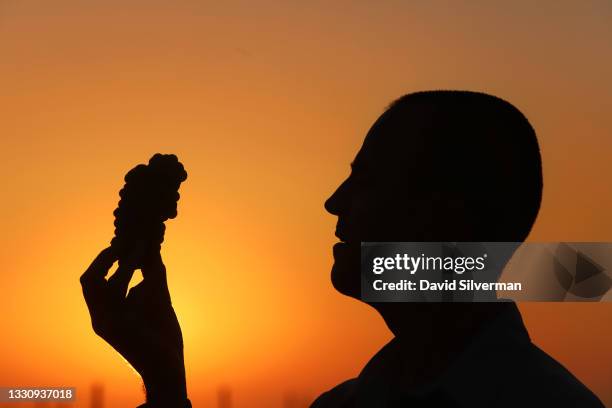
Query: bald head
point(474, 151)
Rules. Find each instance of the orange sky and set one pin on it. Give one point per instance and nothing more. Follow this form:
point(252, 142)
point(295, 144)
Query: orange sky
point(266, 107)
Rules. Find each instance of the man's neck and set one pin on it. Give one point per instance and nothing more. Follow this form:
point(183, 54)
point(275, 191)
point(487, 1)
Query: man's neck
point(430, 336)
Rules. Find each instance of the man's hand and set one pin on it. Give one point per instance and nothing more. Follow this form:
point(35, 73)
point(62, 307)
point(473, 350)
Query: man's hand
point(141, 326)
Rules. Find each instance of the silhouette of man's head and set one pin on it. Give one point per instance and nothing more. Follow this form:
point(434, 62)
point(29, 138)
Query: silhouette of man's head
point(438, 166)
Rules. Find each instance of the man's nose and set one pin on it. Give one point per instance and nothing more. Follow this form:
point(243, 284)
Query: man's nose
point(337, 201)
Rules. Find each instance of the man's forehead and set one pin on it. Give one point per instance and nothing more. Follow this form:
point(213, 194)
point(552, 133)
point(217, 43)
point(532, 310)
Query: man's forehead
point(386, 144)
point(406, 123)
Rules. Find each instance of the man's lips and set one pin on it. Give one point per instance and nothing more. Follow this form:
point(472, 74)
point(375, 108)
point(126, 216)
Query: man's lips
point(344, 237)
point(341, 235)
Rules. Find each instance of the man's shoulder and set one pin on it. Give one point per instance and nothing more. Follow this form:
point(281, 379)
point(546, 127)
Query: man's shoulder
point(338, 396)
point(534, 379)
point(539, 378)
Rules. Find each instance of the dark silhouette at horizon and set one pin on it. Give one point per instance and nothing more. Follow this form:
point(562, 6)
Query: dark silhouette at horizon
point(224, 397)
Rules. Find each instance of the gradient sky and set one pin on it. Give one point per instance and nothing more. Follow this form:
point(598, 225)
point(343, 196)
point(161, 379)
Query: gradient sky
point(266, 106)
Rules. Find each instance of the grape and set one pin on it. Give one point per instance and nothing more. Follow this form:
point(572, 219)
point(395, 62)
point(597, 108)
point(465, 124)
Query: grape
point(148, 198)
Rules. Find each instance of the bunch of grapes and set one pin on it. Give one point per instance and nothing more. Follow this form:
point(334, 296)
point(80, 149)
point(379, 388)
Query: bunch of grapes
point(148, 198)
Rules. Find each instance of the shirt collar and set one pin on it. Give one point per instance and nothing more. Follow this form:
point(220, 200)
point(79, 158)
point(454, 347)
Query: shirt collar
point(474, 379)
point(489, 362)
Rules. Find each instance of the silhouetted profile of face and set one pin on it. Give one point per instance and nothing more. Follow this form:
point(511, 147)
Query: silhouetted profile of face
point(437, 166)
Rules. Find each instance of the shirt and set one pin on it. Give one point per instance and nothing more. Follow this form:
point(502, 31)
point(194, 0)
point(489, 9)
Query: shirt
point(500, 368)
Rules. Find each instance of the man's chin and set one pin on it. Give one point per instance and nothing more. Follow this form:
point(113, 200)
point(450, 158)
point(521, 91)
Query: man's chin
point(346, 281)
point(345, 274)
